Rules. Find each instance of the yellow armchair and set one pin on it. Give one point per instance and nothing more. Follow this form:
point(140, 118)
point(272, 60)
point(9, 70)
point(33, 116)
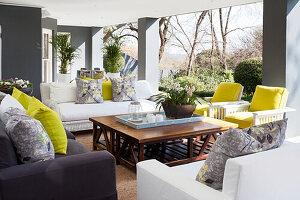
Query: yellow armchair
point(268, 104)
point(225, 94)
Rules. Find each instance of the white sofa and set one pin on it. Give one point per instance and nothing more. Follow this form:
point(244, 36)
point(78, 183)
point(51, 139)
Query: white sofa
point(269, 175)
point(75, 117)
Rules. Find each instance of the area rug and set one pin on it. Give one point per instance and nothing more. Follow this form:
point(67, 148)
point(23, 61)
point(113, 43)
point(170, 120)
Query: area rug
point(126, 178)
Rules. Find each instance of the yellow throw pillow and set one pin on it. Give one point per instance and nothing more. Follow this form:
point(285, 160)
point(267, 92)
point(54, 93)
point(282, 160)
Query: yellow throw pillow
point(34, 104)
point(107, 90)
point(23, 98)
point(16, 93)
point(268, 98)
point(86, 78)
point(227, 92)
point(54, 128)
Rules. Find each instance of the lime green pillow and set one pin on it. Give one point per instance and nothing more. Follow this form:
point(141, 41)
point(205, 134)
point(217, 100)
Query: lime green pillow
point(86, 78)
point(54, 128)
point(227, 92)
point(23, 98)
point(34, 104)
point(107, 90)
point(268, 98)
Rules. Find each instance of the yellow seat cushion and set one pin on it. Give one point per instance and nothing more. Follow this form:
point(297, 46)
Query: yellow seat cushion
point(107, 90)
point(268, 98)
point(52, 124)
point(202, 110)
point(227, 92)
point(243, 119)
point(23, 98)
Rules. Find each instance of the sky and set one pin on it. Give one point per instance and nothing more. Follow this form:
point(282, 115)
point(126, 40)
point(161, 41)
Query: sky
point(246, 17)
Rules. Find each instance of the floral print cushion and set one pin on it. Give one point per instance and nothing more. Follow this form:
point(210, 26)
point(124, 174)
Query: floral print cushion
point(89, 91)
point(236, 142)
point(29, 137)
point(123, 89)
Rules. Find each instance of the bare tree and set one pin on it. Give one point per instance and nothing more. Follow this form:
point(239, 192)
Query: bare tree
point(164, 23)
point(192, 42)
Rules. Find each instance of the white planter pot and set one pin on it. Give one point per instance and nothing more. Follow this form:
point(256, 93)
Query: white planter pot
point(63, 78)
point(113, 75)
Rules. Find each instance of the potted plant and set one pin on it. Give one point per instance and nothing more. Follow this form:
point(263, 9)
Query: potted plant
point(179, 100)
point(66, 53)
point(113, 62)
point(8, 85)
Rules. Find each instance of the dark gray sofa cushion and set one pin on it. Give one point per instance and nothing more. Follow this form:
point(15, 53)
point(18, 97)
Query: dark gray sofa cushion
point(70, 135)
point(73, 148)
point(8, 156)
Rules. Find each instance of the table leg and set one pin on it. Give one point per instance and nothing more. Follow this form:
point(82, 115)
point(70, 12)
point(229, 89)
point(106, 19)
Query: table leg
point(140, 152)
point(190, 148)
point(112, 142)
point(118, 147)
point(204, 145)
point(95, 136)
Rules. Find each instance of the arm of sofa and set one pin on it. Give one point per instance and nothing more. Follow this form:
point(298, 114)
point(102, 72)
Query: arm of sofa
point(272, 174)
point(83, 176)
point(158, 181)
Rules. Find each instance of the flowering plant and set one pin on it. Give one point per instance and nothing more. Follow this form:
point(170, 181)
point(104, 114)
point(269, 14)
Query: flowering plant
point(179, 93)
point(14, 82)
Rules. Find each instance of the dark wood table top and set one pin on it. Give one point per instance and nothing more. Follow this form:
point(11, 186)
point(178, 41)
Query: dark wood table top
point(208, 125)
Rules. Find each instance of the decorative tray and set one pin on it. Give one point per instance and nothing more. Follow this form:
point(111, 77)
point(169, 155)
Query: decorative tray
point(166, 121)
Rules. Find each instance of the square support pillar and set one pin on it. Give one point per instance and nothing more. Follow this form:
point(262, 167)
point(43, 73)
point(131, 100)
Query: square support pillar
point(148, 51)
point(281, 53)
point(97, 46)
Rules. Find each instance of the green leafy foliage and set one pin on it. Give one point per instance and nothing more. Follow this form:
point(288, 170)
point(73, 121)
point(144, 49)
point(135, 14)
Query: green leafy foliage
point(65, 51)
point(112, 60)
point(205, 80)
point(249, 74)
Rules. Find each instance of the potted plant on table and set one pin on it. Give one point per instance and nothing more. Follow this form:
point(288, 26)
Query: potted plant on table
point(178, 101)
point(8, 85)
point(66, 53)
point(113, 62)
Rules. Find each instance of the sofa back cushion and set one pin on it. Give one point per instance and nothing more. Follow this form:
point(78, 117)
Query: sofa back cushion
point(143, 89)
point(8, 156)
point(227, 92)
point(63, 92)
point(45, 91)
point(268, 98)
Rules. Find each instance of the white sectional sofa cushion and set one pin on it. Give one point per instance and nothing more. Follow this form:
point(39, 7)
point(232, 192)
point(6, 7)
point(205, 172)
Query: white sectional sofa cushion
point(75, 112)
point(75, 117)
point(268, 175)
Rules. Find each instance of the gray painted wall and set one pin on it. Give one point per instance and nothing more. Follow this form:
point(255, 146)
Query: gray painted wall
point(281, 56)
point(81, 38)
point(21, 44)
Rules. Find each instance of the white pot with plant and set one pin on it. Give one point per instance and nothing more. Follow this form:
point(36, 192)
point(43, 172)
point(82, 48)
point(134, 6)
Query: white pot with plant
point(66, 53)
point(113, 62)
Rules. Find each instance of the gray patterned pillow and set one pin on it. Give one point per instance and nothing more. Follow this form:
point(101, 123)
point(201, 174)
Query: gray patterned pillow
point(123, 88)
point(89, 91)
point(236, 142)
point(28, 137)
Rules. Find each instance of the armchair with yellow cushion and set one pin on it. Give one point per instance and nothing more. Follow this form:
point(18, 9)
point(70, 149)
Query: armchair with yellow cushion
point(225, 94)
point(268, 104)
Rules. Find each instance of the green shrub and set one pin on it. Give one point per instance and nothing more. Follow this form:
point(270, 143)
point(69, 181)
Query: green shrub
point(249, 74)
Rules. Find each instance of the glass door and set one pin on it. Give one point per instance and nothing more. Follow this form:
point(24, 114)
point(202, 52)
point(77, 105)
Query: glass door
point(47, 57)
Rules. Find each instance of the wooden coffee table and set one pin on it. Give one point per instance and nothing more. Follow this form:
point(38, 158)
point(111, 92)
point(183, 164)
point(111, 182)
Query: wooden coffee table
point(119, 137)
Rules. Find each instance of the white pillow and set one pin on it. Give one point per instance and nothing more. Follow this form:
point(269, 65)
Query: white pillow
point(63, 92)
point(143, 89)
point(8, 102)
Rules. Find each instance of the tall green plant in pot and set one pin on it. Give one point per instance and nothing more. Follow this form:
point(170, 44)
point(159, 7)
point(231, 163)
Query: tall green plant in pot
point(66, 53)
point(113, 62)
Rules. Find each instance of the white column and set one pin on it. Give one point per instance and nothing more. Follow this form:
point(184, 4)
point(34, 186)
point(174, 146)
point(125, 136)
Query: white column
point(97, 45)
point(148, 50)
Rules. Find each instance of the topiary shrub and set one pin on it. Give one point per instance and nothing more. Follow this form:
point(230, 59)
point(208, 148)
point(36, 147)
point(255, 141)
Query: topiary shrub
point(249, 74)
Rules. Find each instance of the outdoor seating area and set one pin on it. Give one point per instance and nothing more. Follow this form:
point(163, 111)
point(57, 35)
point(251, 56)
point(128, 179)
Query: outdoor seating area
point(149, 100)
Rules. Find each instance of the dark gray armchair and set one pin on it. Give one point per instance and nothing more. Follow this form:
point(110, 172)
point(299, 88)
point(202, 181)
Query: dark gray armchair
point(80, 174)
